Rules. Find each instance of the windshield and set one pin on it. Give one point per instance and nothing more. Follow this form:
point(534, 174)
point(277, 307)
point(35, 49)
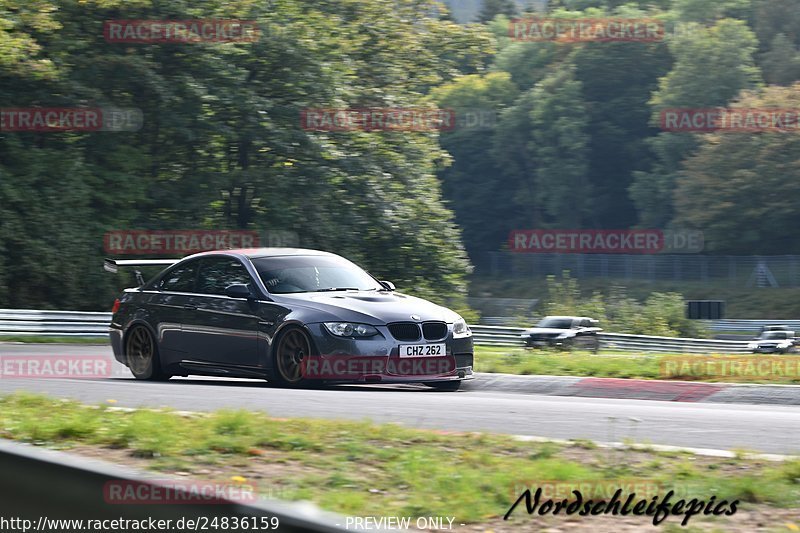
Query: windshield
point(286, 275)
point(555, 323)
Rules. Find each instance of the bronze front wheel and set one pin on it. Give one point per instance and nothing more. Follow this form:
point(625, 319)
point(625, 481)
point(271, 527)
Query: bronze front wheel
point(292, 349)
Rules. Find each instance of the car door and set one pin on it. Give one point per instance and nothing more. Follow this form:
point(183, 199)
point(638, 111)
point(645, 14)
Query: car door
point(218, 329)
point(167, 301)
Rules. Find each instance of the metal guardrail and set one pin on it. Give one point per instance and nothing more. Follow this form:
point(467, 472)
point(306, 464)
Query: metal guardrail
point(646, 343)
point(28, 322)
point(507, 336)
point(498, 320)
point(32, 322)
point(496, 335)
point(44, 486)
point(749, 325)
point(722, 325)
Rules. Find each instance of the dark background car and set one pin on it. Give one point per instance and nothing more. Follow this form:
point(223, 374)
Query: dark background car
point(563, 332)
point(266, 313)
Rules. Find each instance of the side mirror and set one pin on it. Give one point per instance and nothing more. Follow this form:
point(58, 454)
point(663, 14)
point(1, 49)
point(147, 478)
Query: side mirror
point(388, 285)
point(238, 290)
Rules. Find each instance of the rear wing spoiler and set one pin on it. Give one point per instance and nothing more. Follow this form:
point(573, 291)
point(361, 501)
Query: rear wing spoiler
point(112, 265)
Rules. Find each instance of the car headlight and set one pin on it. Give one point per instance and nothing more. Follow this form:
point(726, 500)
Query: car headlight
point(460, 329)
point(752, 346)
point(350, 329)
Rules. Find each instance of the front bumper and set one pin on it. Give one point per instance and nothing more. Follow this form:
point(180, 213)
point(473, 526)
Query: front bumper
point(376, 359)
point(770, 349)
point(357, 369)
point(539, 342)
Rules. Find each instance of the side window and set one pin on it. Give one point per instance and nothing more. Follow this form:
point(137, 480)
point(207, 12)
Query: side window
point(216, 274)
point(180, 279)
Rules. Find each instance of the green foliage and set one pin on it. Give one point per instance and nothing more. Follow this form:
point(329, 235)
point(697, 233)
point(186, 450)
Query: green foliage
point(708, 12)
point(662, 314)
point(781, 63)
point(559, 145)
point(712, 65)
point(222, 145)
point(20, 53)
point(465, 181)
point(669, 311)
point(740, 187)
point(491, 8)
point(564, 298)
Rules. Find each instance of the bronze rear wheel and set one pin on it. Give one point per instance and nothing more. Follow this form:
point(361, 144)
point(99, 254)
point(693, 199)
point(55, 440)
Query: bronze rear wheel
point(141, 353)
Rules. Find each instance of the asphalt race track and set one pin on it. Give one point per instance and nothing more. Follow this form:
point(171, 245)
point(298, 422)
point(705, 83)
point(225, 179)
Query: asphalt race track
point(763, 428)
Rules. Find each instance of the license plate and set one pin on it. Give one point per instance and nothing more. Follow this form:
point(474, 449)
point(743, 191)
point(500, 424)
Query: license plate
point(423, 350)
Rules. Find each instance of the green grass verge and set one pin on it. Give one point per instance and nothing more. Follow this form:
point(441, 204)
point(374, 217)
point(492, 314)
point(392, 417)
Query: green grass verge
point(35, 339)
point(360, 468)
point(615, 365)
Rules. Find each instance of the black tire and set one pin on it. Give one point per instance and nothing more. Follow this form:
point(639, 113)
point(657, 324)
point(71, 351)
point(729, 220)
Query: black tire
point(292, 346)
point(594, 345)
point(444, 386)
point(141, 354)
point(567, 345)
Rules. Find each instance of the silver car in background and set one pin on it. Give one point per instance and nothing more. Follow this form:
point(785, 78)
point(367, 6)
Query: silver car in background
point(565, 332)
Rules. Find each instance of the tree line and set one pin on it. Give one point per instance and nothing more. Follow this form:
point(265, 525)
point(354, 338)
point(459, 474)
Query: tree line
point(579, 140)
point(573, 141)
point(221, 144)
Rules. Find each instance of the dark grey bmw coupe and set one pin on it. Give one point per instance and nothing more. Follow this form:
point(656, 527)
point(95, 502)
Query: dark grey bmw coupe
point(291, 316)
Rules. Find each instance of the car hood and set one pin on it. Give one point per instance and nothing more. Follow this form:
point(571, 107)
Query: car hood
point(370, 307)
